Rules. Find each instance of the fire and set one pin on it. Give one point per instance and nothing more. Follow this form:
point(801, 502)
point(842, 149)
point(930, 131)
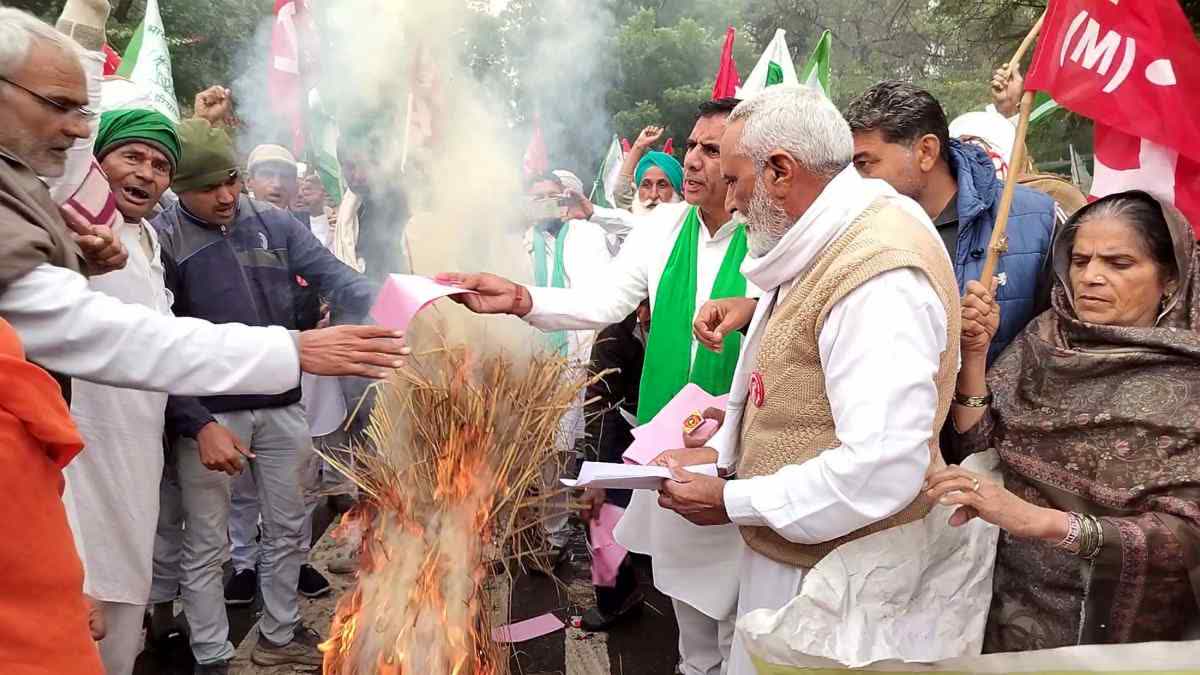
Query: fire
point(457, 442)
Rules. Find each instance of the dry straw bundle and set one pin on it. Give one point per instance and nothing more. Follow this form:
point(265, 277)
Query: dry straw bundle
point(455, 452)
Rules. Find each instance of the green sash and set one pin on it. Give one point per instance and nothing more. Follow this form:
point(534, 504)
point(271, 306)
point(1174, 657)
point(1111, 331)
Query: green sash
point(558, 279)
point(669, 365)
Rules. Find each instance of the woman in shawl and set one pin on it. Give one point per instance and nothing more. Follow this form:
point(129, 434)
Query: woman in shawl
point(1093, 411)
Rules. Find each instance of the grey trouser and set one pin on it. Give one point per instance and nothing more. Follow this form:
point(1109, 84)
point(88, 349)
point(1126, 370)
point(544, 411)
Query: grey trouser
point(279, 439)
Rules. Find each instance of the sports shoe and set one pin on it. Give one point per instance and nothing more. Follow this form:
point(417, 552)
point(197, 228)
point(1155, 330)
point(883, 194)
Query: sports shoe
point(301, 651)
point(241, 588)
point(312, 584)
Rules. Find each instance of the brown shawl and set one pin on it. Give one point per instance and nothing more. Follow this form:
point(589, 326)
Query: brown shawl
point(32, 231)
point(1101, 420)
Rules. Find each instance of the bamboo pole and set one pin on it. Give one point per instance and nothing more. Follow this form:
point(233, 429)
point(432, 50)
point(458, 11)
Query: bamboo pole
point(999, 242)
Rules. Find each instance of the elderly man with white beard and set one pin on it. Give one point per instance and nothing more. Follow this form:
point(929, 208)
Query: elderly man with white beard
point(848, 369)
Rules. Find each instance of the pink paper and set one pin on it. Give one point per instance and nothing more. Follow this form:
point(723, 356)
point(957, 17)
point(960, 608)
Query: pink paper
point(665, 431)
point(404, 295)
point(607, 554)
point(526, 630)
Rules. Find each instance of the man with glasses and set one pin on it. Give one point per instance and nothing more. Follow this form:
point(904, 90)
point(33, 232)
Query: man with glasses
point(230, 258)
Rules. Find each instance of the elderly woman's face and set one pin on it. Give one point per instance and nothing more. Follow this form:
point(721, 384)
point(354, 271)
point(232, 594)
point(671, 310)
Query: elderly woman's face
point(1114, 279)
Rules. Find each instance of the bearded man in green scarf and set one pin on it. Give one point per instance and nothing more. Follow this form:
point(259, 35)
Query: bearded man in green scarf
point(678, 257)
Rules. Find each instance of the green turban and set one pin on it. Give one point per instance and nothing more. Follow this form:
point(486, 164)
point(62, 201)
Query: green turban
point(208, 157)
point(118, 127)
point(667, 163)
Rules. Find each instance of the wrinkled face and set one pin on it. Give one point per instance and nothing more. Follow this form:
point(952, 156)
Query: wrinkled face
point(35, 130)
point(898, 164)
point(702, 183)
point(766, 219)
point(275, 183)
point(312, 195)
point(216, 204)
point(1114, 279)
point(655, 188)
point(138, 175)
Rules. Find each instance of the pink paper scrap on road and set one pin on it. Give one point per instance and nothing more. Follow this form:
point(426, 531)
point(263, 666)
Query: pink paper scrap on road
point(665, 431)
point(404, 295)
point(607, 554)
point(529, 629)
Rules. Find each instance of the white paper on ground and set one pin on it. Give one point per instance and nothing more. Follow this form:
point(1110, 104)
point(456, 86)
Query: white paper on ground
point(915, 593)
point(628, 476)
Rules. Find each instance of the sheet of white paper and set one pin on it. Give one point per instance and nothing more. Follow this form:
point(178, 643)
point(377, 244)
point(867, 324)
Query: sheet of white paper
point(628, 476)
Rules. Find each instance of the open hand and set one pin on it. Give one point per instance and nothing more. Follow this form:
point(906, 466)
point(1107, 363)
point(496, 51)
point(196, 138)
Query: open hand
point(364, 351)
point(685, 457)
point(103, 251)
point(221, 449)
point(718, 318)
point(978, 497)
point(493, 294)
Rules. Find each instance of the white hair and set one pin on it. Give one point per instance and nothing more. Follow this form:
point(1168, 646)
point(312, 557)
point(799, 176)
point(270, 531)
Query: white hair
point(19, 31)
point(800, 121)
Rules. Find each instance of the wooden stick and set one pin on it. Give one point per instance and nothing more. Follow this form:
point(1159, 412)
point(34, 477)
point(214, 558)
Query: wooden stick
point(1015, 61)
point(999, 242)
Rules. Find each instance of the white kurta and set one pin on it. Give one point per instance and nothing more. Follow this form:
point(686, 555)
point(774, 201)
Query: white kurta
point(697, 565)
point(111, 494)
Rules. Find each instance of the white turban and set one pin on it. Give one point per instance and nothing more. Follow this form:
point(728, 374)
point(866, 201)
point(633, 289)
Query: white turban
point(569, 180)
point(992, 127)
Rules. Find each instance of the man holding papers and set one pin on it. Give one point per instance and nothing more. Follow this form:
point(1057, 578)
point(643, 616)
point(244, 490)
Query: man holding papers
point(848, 369)
point(679, 257)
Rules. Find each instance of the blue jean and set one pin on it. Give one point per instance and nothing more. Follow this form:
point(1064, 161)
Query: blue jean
point(279, 439)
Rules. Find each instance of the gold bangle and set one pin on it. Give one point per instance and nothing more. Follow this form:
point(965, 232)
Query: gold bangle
point(973, 401)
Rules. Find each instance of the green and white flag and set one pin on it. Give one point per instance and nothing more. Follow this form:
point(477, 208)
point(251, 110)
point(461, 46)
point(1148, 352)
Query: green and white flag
point(815, 73)
point(1043, 107)
point(147, 62)
point(774, 67)
point(322, 146)
point(610, 172)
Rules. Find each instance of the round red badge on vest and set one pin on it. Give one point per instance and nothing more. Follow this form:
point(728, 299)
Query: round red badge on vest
point(758, 393)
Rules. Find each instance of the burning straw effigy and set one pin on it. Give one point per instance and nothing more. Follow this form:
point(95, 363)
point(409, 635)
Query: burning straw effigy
point(454, 458)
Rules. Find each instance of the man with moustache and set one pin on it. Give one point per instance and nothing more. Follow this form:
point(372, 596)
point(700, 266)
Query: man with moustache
point(850, 362)
point(231, 258)
point(678, 257)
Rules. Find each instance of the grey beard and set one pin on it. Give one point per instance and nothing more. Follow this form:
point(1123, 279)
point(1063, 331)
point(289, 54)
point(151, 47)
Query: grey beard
point(766, 222)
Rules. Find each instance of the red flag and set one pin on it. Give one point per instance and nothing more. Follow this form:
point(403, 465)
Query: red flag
point(537, 159)
point(670, 146)
point(112, 60)
point(283, 76)
point(728, 79)
point(1124, 64)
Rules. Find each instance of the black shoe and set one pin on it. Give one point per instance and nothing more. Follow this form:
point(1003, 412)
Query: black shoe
point(241, 588)
point(312, 583)
point(221, 668)
point(595, 620)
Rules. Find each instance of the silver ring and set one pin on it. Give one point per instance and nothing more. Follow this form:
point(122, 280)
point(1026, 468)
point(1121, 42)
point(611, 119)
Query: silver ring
point(975, 485)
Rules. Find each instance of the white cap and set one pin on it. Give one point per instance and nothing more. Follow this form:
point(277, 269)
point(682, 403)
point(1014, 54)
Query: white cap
point(993, 128)
point(270, 154)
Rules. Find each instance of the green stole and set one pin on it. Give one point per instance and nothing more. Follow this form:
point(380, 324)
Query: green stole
point(669, 366)
point(558, 278)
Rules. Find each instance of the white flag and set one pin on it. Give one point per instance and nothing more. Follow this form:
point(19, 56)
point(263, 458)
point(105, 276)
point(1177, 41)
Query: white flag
point(775, 66)
point(147, 62)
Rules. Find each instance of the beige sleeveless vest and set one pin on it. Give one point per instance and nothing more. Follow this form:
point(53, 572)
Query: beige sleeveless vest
point(795, 423)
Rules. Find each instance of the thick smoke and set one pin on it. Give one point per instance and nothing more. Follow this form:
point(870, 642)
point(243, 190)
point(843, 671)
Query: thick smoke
point(474, 80)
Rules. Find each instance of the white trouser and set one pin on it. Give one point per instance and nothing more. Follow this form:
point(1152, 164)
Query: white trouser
point(123, 638)
point(704, 642)
point(764, 584)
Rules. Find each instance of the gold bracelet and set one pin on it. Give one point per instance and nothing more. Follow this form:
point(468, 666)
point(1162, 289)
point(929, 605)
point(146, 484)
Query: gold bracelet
point(973, 401)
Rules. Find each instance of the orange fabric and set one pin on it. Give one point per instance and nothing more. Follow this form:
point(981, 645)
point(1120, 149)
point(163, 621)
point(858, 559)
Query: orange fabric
point(43, 614)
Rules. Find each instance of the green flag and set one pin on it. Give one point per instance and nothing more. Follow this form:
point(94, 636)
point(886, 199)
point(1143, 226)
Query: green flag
point(147, 62)
point(815, 73)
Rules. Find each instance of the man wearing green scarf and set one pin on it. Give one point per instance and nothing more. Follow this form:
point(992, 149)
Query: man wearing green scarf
point(565, 253)
point(679, 257)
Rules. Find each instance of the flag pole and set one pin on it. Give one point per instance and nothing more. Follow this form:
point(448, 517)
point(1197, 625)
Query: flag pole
point(999, 242)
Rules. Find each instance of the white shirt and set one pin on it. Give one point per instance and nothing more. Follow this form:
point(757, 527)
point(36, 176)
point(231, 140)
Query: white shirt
point(320, 229)
point(74, 330)
point(880, 350)
point(696, 565)
point(111, 494)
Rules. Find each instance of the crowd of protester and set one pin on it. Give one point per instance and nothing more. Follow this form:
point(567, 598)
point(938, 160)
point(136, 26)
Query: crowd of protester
point(166, 381)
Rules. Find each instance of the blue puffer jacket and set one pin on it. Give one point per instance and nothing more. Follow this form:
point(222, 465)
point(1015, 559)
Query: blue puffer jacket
point(246, 273)
point(1025, 268)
